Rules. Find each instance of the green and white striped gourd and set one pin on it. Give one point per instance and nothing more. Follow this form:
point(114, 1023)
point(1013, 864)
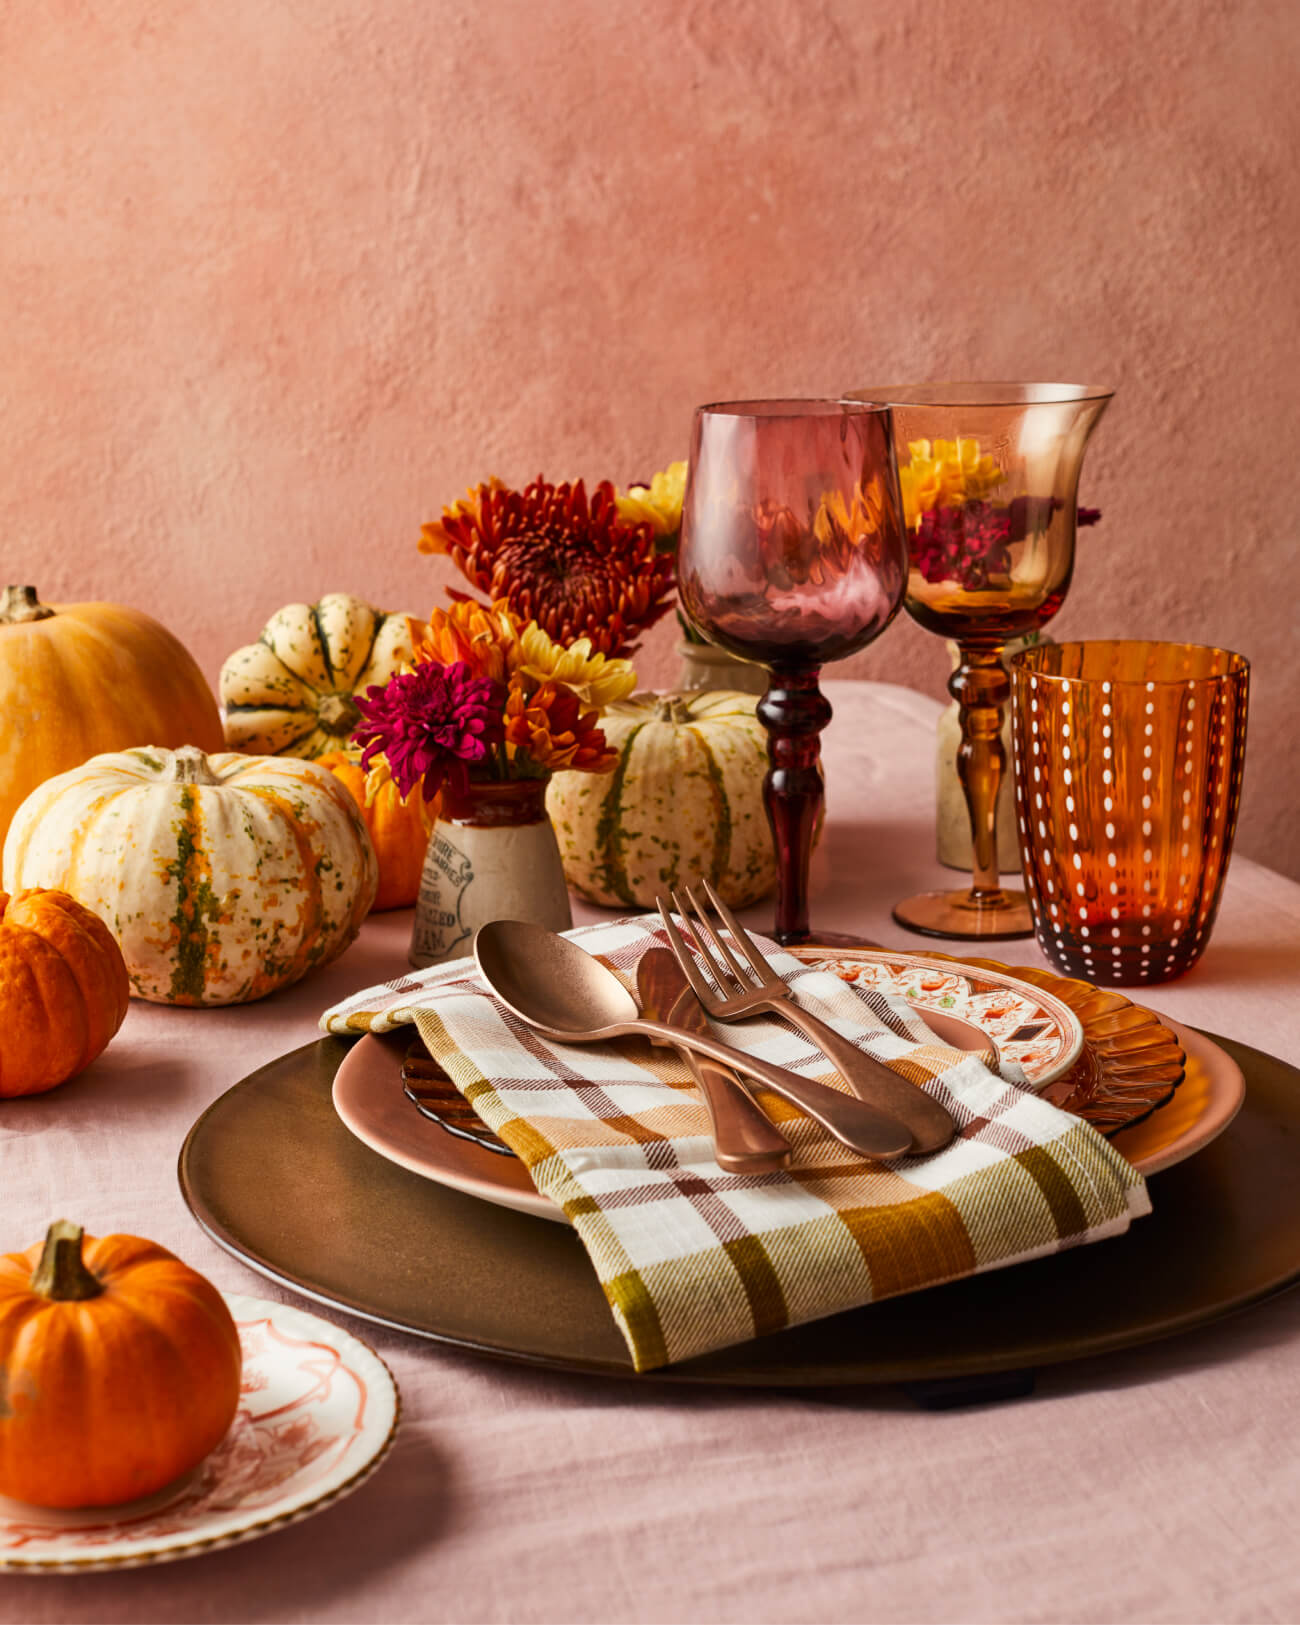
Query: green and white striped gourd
point(222, 877)
point(685, 800)
point(291, 692)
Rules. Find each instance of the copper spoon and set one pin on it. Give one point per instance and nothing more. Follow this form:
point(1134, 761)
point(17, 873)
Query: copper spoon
point(566, 995)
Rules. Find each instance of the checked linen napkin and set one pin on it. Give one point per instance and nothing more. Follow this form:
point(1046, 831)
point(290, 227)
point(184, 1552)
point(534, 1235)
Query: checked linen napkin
point(692, 1258)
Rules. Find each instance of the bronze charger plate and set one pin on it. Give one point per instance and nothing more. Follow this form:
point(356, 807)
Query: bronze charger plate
point(273, 1176)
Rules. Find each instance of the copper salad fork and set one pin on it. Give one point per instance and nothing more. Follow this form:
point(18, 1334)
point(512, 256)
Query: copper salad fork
point(740, 993)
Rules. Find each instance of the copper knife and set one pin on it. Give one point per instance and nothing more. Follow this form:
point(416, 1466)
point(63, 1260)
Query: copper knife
point(745, 1140)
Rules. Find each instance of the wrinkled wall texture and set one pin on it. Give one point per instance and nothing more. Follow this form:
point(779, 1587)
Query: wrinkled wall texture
point(278, 278)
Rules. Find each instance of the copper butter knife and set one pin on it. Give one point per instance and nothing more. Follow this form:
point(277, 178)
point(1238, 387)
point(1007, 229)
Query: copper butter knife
point(745, 1140)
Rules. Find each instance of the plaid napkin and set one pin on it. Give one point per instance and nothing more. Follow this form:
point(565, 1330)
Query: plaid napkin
point(692, 1258)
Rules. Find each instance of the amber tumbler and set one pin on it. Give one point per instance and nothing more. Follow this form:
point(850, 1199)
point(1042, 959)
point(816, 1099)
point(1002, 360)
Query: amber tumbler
point(1128, 764)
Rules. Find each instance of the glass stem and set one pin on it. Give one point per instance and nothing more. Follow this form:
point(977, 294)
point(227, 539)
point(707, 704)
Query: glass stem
point(981, 688)
point(794, 711)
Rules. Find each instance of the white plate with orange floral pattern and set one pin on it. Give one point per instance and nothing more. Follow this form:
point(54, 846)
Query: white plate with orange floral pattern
point(318, 1412)
point(1028, 1024)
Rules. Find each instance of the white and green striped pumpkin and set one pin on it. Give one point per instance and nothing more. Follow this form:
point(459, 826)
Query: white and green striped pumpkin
point(685, 800)
point(222, 877)
point(291, 692)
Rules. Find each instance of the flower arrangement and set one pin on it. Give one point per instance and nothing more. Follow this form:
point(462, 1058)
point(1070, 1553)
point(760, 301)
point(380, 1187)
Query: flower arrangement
point(956, 532)
point(488, 697)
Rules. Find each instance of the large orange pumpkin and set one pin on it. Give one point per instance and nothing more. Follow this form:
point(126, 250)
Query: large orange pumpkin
point(63, 989)
point(77, 679)
point(399, 831)
point(121, 1369)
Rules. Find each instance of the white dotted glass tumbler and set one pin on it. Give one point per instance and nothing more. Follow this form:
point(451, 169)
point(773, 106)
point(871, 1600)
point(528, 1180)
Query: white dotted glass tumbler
point(1128, 763)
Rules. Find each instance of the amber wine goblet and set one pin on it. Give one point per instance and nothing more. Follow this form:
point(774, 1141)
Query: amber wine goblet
point(990, 476)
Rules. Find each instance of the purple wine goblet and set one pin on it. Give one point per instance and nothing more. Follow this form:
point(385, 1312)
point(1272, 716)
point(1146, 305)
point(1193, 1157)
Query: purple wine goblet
point(793, 552)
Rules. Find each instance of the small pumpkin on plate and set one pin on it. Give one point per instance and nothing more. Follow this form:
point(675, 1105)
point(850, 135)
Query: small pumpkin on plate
point(399, 830)
point(222, 877)
point(63, 989)
point(684, 800)
point(80, 678)
point(291, 692)
point(121, 1369)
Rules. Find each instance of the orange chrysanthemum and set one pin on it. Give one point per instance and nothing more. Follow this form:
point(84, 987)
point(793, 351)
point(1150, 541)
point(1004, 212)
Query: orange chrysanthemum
point(550, 725)
point(574, 566)
point(485, 638)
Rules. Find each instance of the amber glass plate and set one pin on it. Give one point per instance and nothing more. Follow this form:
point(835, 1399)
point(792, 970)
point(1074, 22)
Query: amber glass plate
point(436, 1097)
point(1131, 1062)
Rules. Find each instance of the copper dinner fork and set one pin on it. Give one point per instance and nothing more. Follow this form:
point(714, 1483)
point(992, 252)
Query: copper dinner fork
point(740, 992)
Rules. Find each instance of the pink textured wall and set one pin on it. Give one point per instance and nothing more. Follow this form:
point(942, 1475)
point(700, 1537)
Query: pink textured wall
point(278, 280)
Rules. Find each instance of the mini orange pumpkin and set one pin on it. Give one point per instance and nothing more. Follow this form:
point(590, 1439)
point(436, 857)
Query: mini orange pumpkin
point(399, 831)
point(63, 989)
point(120, 1369)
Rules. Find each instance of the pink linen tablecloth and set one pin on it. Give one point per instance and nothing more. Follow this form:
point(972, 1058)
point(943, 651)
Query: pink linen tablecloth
point(1159, 1484)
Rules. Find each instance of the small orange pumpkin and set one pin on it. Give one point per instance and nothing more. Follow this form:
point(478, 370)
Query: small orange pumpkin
point(63, 989)
point(121, 1369)
point(399, 831)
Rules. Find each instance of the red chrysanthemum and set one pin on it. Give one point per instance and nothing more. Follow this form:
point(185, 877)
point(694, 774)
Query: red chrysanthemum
point(572, 565)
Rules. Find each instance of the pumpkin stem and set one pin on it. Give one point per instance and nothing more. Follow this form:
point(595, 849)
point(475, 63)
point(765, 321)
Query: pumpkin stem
point(338, 714)
point(62, 1274)
point(21, 604)
point(190, 766)
point(672, 708)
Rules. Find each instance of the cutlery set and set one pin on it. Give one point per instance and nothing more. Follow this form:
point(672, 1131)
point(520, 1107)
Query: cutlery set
point(563, 993)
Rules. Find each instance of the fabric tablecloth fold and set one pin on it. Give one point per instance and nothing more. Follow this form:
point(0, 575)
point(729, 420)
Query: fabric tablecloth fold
point(692, 1258)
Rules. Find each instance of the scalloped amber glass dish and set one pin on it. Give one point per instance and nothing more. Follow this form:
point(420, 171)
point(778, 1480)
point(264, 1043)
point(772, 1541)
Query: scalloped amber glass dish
point(1129, 1065)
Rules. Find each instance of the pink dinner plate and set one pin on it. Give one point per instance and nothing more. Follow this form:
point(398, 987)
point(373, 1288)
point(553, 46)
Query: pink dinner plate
point(369, 1099)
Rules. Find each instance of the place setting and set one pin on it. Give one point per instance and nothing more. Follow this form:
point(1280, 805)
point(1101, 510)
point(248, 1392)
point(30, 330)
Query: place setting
point(694, 1138)
point(737, 1188)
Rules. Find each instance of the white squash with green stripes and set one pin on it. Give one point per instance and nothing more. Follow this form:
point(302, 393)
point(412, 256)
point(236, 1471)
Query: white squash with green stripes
point(222, 877)
point(685, 800)
point(291, 692)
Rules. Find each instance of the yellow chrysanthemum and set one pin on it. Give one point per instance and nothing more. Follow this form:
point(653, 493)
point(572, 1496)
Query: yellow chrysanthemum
point(658, 504)
point(493, 643)
point(594, 678)
point(945, 474)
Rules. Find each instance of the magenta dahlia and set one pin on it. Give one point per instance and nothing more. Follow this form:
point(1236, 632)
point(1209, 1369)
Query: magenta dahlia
point(431, 725)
